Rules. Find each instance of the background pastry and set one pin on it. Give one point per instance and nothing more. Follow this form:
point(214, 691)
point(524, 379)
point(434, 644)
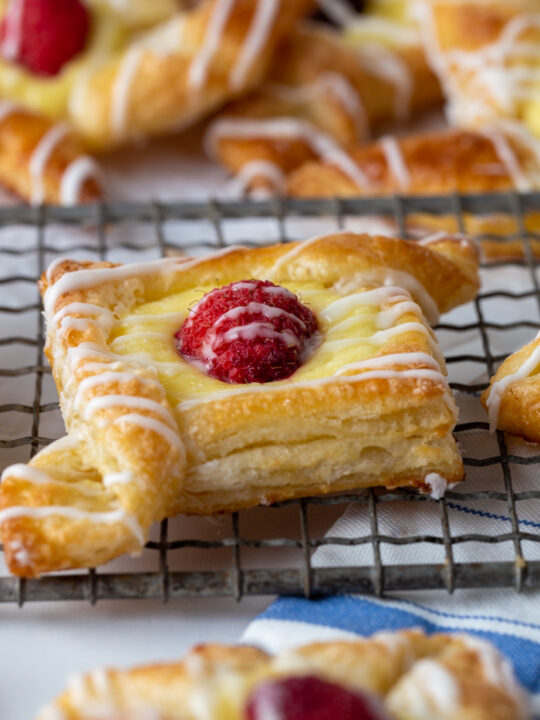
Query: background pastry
point(404, 676)
point(254, 396)
point(485, 54)
point(322, 92)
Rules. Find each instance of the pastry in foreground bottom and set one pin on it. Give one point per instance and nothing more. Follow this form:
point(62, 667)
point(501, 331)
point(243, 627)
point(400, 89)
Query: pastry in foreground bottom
point(513, 397)
point(391, 676)
point(245, 377)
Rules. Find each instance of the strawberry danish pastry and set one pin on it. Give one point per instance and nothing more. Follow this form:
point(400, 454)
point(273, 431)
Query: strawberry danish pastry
point(245, 377)
point(402, 675)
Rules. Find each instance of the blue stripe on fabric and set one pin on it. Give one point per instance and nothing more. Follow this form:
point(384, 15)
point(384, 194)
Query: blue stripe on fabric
point(490, 516)
point(363, 617)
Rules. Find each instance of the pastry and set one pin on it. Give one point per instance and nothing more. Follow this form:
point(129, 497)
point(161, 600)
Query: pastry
point(497, 159)
point(184, 69)
point(245, 377)
point(322, 92)
point(486, 55)
point(187, 62)
point(512, 398)
point(43, 161)
point(402, 675)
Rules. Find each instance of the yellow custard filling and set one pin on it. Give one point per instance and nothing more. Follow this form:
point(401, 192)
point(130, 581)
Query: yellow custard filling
point(348, 335)
point(112, 25)
point(50, 95)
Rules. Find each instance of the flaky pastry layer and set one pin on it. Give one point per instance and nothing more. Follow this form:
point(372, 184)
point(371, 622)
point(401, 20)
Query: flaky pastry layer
point(414, 676)
point(153, 436)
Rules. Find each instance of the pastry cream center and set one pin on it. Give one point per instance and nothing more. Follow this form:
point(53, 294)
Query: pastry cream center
point(353, 328)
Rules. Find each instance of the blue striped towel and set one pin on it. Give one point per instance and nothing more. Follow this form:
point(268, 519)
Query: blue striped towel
point(509, 620)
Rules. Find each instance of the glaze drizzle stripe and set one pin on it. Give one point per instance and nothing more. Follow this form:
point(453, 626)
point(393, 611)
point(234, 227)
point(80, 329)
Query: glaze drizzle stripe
point(40, 158)
point(107, 518)
point(258, 33)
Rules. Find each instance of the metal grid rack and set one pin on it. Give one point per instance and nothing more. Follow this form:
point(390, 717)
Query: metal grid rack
point(35, 236)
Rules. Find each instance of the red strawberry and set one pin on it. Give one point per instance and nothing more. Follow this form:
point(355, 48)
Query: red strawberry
point(43, 35)
point(249, 331)
point(308, 698)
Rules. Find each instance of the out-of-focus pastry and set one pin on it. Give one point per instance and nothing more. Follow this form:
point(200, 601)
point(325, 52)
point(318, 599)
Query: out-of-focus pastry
point(402, 675)
point(323, 92)
point(43, 161)
point(245, 377)
point(486, 55)
point(121, 73)
point(497, 159)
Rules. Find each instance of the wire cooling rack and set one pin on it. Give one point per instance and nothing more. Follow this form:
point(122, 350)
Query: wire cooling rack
point(269, 550)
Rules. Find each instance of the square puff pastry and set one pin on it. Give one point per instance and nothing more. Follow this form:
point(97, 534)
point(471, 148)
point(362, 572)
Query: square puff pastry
point(414, 676)
point(513, 397)
point(150, 435)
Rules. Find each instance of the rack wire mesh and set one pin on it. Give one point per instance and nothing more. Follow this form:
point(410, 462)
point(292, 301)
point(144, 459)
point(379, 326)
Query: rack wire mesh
point(270, 550)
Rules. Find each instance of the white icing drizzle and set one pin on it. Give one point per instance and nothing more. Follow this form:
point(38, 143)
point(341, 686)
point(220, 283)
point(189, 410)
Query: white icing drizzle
point(415, 374)
point(101, 680)
point(341, 308)
point(390, 67)
point(328, 83)
point(429, 687)
point(198, 70)
point(255, 330)
point(509, 159)
point(340, 11)
point(122, 89)
point(396, 162)
point(118, 478)
point(296, 250)
point(499, 387)
point(11, 42)
point(40, 158)
point(53, 712)
point(269, 311)
point(488, 74)
point(20, 553)
point(105, 402)
point(339, 86)
point(112, 377)
point(258, 169)
point(396, 33)
point(438, 485)
point(155, 426)
point(39, 477)
point(497, 670)
point(106, 518)
point(319, 142)
point(84, 279)
point(261, 26)
point(74, 178)
point(391, 360)
point(382, 336)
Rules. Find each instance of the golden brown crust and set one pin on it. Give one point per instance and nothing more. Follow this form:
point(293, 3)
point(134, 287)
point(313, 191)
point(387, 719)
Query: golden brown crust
point(397, 668)
point(110, 108)
point(437, 163)
point(515, 406)
point(336, 88)
point(21, 135)
point(130, 436)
